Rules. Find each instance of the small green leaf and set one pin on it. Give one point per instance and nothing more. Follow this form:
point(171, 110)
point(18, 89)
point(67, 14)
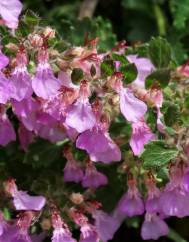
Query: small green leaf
point(171, 114)
point(162, 76)
point(120, 58)
point(130, 72)
point(159, 51)
point(157, 154)
point(107, 68)
point(77, 75)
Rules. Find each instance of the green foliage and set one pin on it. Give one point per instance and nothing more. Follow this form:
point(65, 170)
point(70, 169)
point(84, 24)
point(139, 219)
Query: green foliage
point(157, 154)
point(161, 76)
point(180, 12)
point(159, 52)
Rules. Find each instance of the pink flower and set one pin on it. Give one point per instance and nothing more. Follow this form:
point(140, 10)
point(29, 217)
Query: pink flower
point(131, 203)
point(174, 199)
point(98, 143)
point(5, 84)
point(131, 107)
point(20, 78)
point(6, 89)
point(44, 83)
point(23, 201)
point(80, 115)
point(88, 233)
point(99, 146)
point(141, 135)
point(6, 129)
point(26, 110)
point(105, 225)
point(61, 232)
point(153, 227)
point(152, 201)
point(10, 11)
point(72, 170)
point(4, 60)
point(93, 178)
point(144, 68)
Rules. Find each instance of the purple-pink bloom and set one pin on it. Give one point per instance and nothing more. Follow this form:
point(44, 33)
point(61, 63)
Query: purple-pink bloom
point(186, 181)
point(144, 67)
point(73, 171)
point(5, 89)
point(26, 111)
point(131, 204)
point(44, 83)
point(6, 129)
point(20, 78)
point(61, 232)
point(88, 233)
point(99, 145)
point(141, 135)
point(152, 201)
point(4, 60)
point(153, 227)
point(80, 115)
point(23, 201)
point(10, 11)
point(93, 178)
point(131, 107)
point(105, 224)
point(49, 128)
point(174, 199)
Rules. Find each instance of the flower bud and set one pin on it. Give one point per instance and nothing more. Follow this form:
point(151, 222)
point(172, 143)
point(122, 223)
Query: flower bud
point(35, 40)
point(77, 198)
point(49, 33)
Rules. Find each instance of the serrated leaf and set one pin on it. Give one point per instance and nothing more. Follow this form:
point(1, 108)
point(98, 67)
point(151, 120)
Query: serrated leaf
point(120, 58)
point(157, 154)
point(130, 72)
point(162, 76)
point(171, 114)
point(159, 51)
point(107, 67)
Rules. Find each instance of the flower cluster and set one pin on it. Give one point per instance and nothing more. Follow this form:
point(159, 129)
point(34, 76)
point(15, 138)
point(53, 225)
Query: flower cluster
point(37, 89)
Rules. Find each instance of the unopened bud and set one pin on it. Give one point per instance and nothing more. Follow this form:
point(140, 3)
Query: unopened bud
point(77, 198)
point(12, 47)
point(46, 224)
point(49, 33)
point(35, 40)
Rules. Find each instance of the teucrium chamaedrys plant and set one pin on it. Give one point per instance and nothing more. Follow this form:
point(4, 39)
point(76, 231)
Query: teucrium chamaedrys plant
point(104, 118)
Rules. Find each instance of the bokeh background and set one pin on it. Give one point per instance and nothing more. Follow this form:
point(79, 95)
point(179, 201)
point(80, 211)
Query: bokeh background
point(136, 21)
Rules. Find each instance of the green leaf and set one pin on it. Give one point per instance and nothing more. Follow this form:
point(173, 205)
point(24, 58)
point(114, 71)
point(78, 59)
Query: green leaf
point(180, 12)
point(120, 58)
point(162, 76)
point(77, 75)
point(172, 113)
point(159, 51)
point(130, 72)
point(157, 154)
point(107, 67)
